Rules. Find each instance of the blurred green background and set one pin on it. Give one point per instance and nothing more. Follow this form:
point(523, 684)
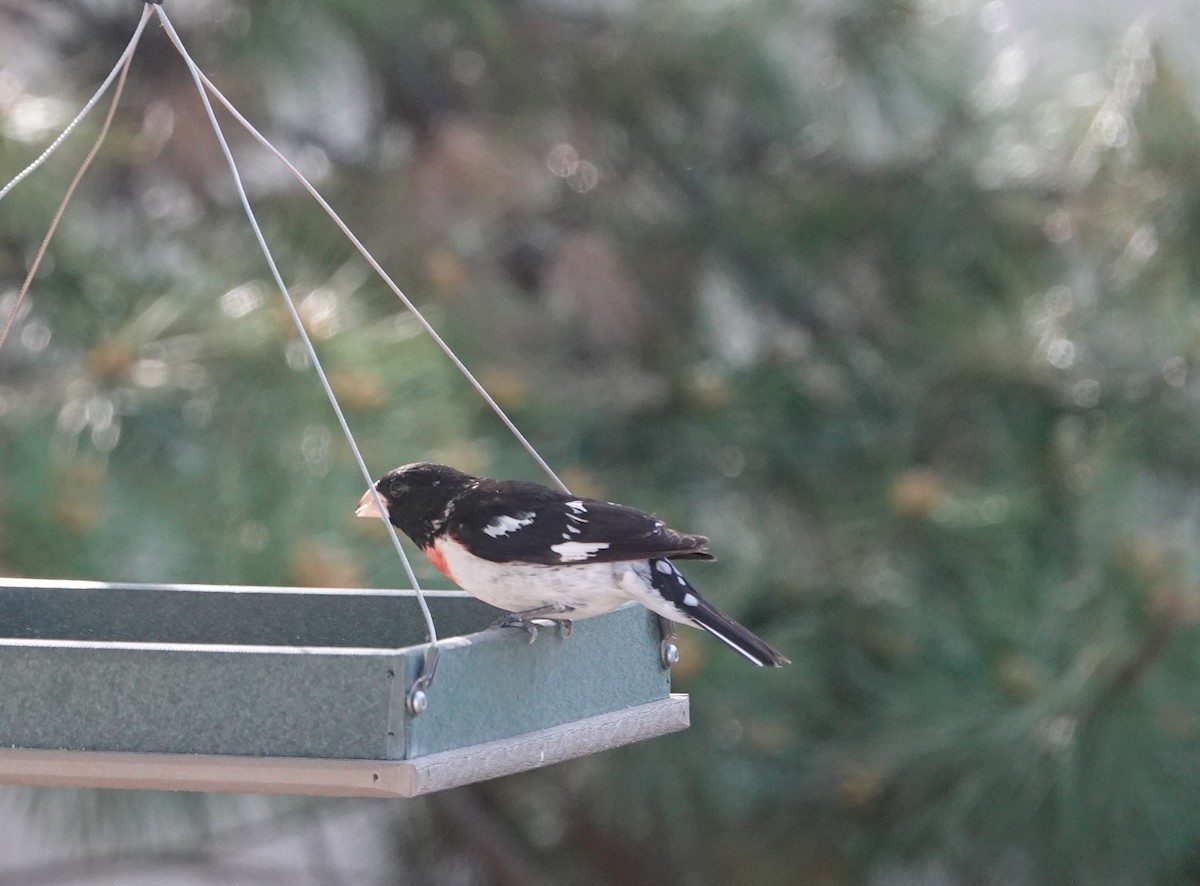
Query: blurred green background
point(896, 300)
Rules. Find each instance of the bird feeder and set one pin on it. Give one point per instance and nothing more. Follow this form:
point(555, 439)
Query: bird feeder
point(303, 691)
point(289, 690)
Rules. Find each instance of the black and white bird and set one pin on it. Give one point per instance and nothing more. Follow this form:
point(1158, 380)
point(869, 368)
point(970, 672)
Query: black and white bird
point(547, 555)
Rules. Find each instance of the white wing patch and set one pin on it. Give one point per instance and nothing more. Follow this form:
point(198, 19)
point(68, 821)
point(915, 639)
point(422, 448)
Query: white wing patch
point(504, 524)
point(571, 551)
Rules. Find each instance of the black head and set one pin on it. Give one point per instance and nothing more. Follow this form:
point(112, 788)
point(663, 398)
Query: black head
point(416, 497)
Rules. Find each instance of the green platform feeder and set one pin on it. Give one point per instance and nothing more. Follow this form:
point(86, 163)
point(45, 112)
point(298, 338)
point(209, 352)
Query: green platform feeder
point(303, 691)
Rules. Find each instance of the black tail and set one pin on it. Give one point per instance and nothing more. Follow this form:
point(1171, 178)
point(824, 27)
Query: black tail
point(735, 636)
point(695, 610)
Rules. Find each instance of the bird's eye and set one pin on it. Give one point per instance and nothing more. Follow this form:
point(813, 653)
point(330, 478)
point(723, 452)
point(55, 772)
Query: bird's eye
point(397, 488)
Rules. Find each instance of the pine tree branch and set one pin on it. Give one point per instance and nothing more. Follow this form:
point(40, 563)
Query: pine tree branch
point(1157, 639)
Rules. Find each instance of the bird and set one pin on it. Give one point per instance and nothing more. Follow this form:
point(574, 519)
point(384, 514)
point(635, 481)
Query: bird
point(545, 555)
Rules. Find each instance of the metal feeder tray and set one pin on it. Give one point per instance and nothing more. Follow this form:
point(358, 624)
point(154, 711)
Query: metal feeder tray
point(302, 691)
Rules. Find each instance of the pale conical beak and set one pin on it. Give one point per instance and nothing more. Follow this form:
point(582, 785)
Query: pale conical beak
point(367, 507)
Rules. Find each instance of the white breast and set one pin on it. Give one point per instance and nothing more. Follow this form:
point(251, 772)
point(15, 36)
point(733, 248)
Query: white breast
point(583, 590)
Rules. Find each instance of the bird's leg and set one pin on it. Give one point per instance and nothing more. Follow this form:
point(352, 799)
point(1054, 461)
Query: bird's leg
point(526, 619)
point(668, 652)
point(514, 620)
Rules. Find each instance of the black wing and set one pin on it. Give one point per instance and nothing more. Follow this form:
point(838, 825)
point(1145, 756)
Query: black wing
point(506, 521)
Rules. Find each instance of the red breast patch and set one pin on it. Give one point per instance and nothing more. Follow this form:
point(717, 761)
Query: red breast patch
point(438, 559)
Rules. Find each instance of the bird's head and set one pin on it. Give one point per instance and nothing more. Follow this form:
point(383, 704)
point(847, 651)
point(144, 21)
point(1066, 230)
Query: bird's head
point(416, 497)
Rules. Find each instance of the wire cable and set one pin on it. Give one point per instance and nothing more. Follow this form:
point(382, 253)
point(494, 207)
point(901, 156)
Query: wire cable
point(122, 62)
point(391, 284)
point(122, 69)
point(297, 320)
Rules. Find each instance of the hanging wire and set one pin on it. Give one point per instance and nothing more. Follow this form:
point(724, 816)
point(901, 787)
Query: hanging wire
point(121, 71)
point(391, 284)
point(122, 62)
point(204, 86)
point(431, 660)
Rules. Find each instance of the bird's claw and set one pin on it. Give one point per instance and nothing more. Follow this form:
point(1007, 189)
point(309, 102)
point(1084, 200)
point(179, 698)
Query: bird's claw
point(516, 620)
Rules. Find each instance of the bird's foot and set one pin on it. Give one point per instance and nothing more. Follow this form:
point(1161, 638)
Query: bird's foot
point(527, 621)
point(516, 620)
